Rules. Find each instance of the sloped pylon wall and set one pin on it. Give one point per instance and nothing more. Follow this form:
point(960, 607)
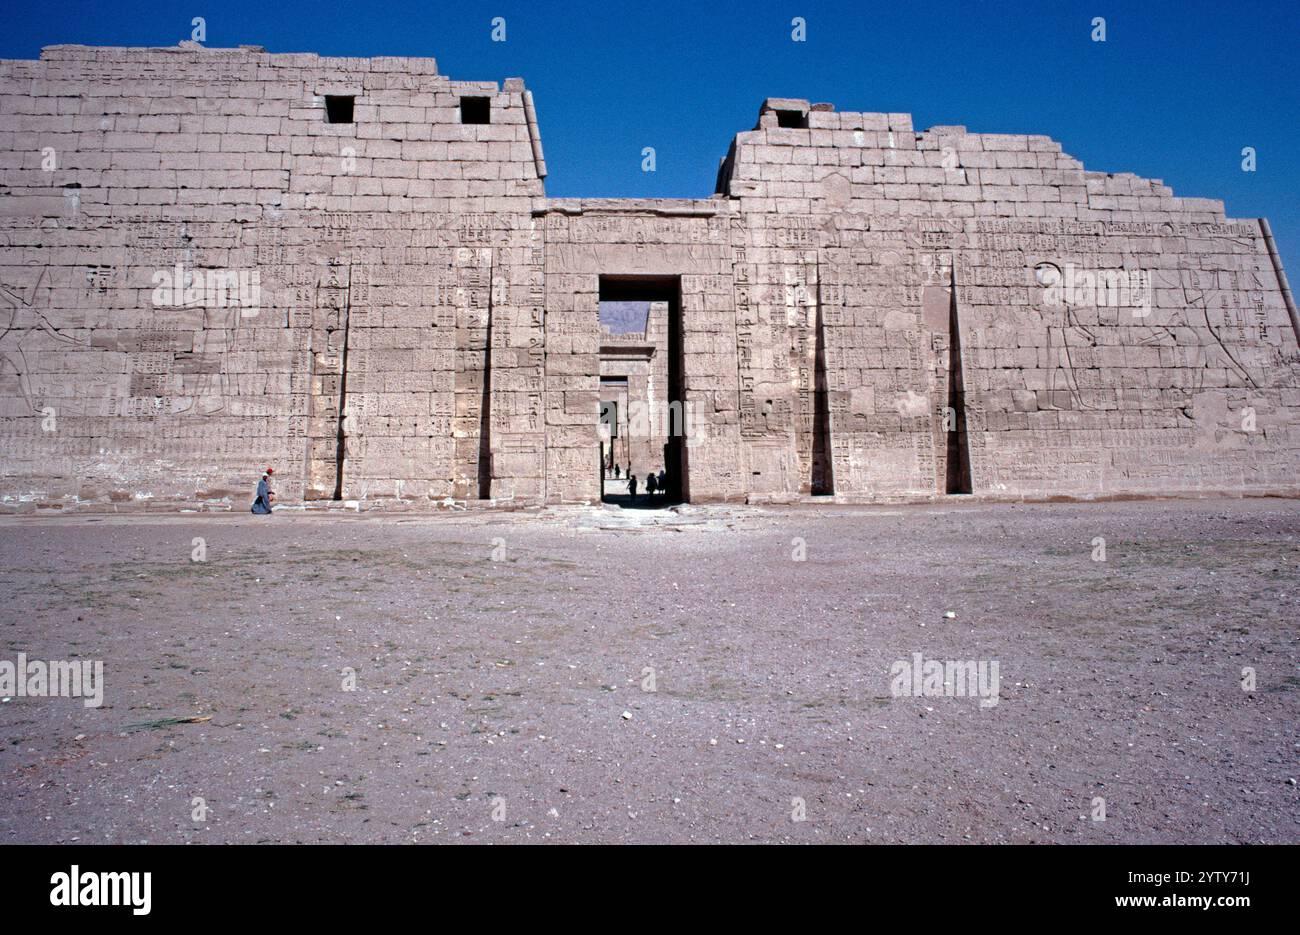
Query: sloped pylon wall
point(201, 275)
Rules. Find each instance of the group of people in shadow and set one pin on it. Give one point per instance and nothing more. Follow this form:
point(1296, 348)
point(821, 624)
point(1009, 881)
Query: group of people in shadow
point(654, 483)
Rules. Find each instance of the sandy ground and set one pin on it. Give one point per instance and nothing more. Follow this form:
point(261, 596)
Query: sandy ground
point(501, 663)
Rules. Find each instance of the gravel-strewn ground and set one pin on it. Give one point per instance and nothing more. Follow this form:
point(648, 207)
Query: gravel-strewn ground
point(501, 686)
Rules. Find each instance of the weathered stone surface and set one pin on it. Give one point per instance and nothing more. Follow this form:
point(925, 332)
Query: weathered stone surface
point(200, 275)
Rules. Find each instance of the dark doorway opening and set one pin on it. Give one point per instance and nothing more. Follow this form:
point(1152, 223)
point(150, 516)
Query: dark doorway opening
point(654, 428)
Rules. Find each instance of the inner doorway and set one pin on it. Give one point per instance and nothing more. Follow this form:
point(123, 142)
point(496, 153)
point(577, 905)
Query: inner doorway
point(643, 418)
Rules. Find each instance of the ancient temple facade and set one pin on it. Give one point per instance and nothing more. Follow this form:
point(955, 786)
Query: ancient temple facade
point(212, 261)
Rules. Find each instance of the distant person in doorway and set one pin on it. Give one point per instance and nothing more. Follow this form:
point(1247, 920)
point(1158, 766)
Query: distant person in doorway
point(631, 484)
point(663, 482)
point(262, 504)
point(650, 484)
point(616, 469)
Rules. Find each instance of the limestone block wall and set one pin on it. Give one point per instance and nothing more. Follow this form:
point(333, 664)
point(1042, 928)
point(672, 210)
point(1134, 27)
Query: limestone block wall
point(216, 260)
point(860, 222)
point(377, 252)
point(692, 240)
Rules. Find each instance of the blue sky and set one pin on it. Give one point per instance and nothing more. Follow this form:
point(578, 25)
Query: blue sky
point(1176, 91)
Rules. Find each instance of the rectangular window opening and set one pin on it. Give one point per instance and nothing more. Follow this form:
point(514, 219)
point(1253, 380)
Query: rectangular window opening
point(476, 110)
point(792, 119)
point(338, 108)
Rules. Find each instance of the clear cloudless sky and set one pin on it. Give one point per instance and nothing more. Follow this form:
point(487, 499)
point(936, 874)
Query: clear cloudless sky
point(1176, 91)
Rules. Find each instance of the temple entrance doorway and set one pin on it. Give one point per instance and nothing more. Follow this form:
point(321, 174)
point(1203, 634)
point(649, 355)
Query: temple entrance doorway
point(642, 418)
